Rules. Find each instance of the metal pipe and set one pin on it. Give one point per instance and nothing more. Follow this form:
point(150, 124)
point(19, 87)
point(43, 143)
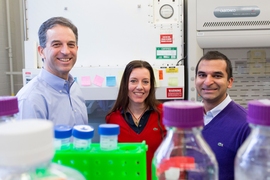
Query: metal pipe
point(9, 48)
point(25, 18)
point(14, 73)
point(23, 27)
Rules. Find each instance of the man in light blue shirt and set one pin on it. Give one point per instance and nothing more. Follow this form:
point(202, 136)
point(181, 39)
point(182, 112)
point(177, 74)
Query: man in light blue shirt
point(53, 94)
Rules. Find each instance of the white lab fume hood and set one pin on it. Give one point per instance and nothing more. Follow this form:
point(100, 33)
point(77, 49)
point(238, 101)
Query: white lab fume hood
point(111, 34)
point(231, 23)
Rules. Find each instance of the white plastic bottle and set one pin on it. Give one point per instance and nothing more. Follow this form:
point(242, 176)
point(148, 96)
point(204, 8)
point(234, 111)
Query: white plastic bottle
point(184, 154)
point(27, 148)
point(108, 136)
point(82, 137)
point(252, 161)
point(62, 137)
point(8, 108)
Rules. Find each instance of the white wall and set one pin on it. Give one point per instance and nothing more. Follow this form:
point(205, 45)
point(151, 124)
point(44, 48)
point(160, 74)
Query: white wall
point(194, 52)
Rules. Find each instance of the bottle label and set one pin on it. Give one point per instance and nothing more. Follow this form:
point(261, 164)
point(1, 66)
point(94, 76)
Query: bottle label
point(108, 142)
point(181, 163)
point(81, 144)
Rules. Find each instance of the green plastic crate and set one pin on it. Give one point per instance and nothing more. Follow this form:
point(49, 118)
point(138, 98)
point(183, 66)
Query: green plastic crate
point(128, 162)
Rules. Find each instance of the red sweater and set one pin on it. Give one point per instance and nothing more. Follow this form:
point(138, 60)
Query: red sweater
point(151, 134)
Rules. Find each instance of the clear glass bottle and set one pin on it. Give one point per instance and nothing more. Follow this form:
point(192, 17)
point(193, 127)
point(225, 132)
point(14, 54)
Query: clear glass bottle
point(184, 154)
point(27, 148)
point(8, 108)
point(252, 160)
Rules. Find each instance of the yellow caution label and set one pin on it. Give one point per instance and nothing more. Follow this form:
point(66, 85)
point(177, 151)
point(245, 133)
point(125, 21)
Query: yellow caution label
point(171, 70)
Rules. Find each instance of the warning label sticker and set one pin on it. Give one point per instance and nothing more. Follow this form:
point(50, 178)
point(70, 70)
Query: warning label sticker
point(174, 92)
point(166, 39)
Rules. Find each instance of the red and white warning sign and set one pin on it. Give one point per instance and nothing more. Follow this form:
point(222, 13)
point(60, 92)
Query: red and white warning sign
point(27, 74)
point(166, 39)
point(174, 92)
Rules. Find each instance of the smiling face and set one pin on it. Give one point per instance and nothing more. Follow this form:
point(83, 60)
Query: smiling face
point(212, 81)
point(139, 85)
point(60, 53)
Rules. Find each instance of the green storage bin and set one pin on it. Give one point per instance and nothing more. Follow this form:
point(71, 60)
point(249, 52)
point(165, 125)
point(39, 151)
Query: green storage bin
point(128, 162)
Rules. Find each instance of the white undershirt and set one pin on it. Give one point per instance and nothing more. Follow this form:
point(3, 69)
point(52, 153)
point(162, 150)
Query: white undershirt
point(213, 112)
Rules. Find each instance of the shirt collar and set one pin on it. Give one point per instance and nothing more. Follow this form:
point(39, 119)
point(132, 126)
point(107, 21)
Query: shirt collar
point(216, 110)
point(122, 111)
point(56, 82)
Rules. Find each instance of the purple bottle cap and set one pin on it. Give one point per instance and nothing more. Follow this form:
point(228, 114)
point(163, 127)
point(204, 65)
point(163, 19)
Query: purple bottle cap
point(8, 105)
point(259, 112)
point(183, 114)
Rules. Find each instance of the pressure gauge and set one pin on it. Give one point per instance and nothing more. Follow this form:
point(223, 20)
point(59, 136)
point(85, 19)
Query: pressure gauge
point(166, 11)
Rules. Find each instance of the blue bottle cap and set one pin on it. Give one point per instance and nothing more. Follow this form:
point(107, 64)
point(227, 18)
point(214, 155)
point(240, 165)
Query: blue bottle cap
point(62, 131)
point(108, 129)
point(83, 132)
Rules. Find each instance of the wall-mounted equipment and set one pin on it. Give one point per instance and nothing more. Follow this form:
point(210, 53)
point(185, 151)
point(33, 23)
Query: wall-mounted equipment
point(231, 23)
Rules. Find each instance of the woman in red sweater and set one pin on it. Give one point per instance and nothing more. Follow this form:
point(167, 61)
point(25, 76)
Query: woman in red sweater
point(136, 109)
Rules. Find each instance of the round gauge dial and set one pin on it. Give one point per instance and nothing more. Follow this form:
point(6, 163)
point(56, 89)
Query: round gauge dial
point(166, 11)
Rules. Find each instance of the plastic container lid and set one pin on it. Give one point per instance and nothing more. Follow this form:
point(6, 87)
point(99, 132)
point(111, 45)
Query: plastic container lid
point(108, 129)
point(183, 114)
point(83, 132)
point(259, 112)
point(62, 131)
point(26, 143)
point(8, 105)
